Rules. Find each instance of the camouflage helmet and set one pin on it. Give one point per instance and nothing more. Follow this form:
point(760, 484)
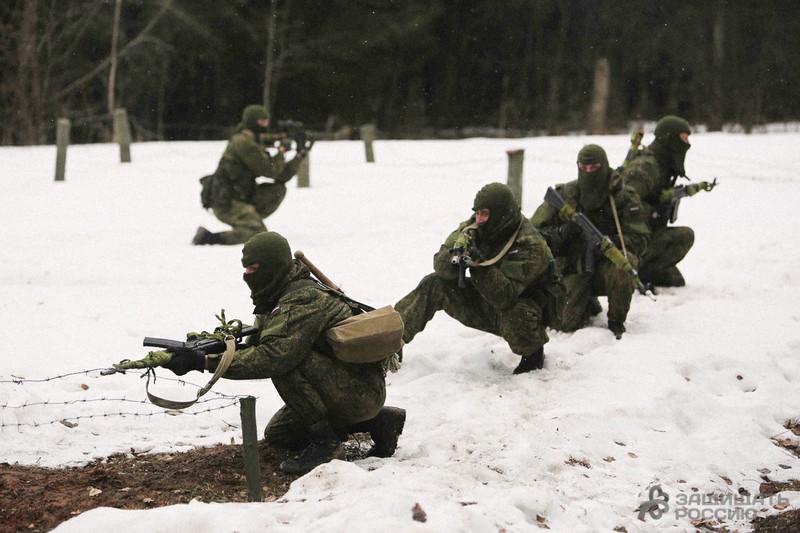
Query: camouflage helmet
point(669, 147)
point(504, 211)
point(271, 252)
point(252, 114)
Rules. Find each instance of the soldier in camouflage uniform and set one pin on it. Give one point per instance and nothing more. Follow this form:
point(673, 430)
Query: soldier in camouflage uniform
point(592, 194)
point(507, 291)
point(326, 398)
point(653, 173)
point(232, 192)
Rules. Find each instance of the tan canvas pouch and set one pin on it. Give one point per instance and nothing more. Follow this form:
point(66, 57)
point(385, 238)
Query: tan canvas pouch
point(367, 337)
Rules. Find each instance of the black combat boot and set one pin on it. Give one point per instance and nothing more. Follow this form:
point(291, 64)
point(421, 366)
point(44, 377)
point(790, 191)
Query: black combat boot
point(203, 236)
point(617, 328)
point(385, 429)
point(325, 446)
point(595, 307)
point(535, 361)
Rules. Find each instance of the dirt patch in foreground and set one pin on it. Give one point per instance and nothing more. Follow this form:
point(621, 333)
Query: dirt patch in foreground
point(38, 499)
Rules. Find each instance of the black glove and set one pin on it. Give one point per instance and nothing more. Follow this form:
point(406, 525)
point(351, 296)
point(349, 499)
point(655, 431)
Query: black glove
point(186, 359)
point(569, 230)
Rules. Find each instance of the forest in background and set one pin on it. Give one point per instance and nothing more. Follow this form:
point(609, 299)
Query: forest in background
point(184, 69)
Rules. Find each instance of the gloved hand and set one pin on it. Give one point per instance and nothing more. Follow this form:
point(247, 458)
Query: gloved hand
point(569, 230)
point(462, 242)
point(185, 359)
point(667, 195)
point(567, 211)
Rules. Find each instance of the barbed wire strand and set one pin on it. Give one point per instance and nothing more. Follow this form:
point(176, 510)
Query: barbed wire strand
point(167, 412)
point(141, 374)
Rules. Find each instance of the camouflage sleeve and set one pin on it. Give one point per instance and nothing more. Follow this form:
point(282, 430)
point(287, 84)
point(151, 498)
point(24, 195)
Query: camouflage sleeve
point(288, 334)
point(290, 168)
point(546, 220)
point(502, 283)
point(642, 176)
point(633, 221)
point(253, 156)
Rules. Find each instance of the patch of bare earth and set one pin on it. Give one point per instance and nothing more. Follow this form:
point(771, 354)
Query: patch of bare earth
point(788, 521)
point(38, 499)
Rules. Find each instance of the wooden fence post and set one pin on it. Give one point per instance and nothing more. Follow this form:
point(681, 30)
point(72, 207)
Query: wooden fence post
point(514, 181)
point(62, 141)
point(368, 134)
point(252, 468)
point(122, 134)
point(303, 179)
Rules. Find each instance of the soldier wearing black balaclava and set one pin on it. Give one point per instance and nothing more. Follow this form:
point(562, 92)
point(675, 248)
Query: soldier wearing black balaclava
point(597, 192)
point(326, 398)
point(506, 291)
point(654, 173)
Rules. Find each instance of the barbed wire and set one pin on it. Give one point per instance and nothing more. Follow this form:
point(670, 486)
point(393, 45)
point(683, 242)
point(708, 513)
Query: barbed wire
point(72, 421)
point(21, 381)
point(68, 421)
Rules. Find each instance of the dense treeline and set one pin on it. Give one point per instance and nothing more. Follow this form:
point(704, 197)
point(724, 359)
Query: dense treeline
point(184, 69)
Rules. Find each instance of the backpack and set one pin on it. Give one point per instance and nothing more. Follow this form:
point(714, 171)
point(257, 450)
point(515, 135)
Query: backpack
point(367, 337)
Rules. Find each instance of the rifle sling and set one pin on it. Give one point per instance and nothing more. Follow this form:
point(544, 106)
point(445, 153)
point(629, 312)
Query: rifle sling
point(505, 249)
point(222, 367)
point(616, 221)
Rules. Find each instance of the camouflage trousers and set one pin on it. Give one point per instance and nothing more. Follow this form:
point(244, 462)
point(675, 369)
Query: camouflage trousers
point(520, 325)
point(245, 219)
point(323, 387)
point(606, 280)
point(668, 246)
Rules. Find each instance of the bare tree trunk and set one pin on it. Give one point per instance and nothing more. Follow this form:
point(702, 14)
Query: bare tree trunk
point(599, 108)
point(112, 73)
point(554, 94)
point(27, 91)
point(716, 110)
point(269, 61)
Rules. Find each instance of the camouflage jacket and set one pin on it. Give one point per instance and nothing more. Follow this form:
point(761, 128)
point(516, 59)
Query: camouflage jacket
point(290, 331)
point(649, 178)
point(502, 283)
point(243, 161)
point(570, 253)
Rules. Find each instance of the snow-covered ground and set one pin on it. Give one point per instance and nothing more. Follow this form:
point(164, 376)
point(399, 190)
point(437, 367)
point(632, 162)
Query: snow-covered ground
point(687, 400)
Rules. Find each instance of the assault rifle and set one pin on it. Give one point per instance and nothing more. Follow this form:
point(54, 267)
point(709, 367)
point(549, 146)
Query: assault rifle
point(286, 133)
point(595, 241)
point(463, 251)
point(208, 343)
point(672, 198)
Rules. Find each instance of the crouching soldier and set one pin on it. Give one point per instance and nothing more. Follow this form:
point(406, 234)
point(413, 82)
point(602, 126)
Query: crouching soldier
point(615, 210)
point(511, 291)
point(326, 399)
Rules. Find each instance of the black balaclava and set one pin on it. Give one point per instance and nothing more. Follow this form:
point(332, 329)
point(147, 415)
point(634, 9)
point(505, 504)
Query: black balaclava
point(593, 186)
point(668, 146)
point(504, 213)
point(271, 251)
point(250, 117)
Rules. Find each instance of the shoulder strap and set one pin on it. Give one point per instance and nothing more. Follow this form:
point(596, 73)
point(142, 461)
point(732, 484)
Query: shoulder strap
point(505, 249)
